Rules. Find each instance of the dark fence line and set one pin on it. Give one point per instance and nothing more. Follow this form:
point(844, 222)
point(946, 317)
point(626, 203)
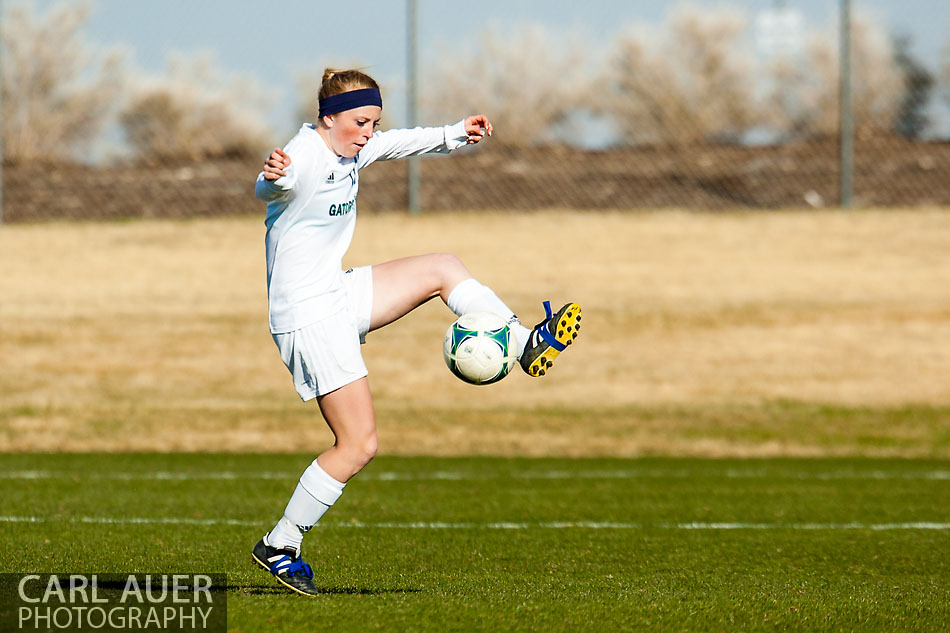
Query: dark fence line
point(889, 172)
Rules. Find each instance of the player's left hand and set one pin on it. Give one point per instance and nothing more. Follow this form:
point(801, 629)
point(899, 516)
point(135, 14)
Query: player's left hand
point(477, 127)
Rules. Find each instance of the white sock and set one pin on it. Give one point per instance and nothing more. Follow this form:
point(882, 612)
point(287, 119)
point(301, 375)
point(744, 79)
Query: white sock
point(314, 495)
point(472, 296)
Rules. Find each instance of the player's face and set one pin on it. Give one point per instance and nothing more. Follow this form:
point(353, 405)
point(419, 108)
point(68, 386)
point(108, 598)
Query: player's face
point(351, 129)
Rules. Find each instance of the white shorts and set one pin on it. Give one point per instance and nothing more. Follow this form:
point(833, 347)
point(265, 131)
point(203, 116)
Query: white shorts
point(325, 355)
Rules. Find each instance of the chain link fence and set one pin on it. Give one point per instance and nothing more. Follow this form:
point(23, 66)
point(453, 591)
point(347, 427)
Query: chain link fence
point(708, 109)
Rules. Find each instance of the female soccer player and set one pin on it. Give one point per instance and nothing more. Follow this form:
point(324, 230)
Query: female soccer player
point(319, 314)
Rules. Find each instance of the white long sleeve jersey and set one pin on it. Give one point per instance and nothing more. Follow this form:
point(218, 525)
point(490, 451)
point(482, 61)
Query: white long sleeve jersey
point(311, 214)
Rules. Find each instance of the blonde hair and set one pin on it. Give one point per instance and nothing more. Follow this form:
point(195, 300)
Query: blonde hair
point(339, 81)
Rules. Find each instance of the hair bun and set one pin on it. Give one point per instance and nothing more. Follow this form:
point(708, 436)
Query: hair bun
point(336, 81)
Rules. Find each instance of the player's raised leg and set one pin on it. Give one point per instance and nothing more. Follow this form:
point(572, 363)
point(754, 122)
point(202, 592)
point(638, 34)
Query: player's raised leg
point(401, 285)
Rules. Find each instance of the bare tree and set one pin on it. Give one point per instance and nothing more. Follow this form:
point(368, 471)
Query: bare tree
point(693, 84)
point(195, 111)
point(911, 119)
point(877, 85)
point(697, 81)
point(529, 83)
point(58, 91)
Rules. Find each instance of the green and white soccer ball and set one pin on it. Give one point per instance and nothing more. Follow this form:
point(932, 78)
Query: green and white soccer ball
point(480, 348)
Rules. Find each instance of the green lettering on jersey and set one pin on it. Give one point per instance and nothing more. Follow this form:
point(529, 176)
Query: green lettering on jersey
point(342, 209)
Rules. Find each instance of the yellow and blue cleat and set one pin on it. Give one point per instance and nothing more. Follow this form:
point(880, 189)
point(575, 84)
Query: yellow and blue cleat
point(550, 337)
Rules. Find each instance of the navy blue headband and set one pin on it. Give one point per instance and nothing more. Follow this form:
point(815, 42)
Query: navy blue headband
point(350, 100)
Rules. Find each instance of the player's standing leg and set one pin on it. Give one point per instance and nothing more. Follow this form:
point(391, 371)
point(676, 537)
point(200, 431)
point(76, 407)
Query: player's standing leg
point(349, 414)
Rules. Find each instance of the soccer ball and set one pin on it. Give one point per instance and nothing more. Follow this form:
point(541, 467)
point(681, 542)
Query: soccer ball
point(480, 348)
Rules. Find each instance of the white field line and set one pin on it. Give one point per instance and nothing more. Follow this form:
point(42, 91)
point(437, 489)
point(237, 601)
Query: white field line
point(549, 525)
point(933, 475)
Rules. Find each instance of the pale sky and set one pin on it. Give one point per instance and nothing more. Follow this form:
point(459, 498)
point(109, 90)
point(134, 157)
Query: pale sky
point(274, 41)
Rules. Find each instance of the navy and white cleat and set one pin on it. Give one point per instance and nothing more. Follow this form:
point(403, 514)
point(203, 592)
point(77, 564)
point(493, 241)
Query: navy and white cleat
point(550, 337)
point(286, 566)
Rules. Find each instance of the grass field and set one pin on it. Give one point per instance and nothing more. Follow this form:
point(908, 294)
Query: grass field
point(495, 544)
point(752, 433)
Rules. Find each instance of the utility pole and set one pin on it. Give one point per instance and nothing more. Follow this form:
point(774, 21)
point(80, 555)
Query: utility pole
point(412, 93)
point(846, 115)
point(1, 120)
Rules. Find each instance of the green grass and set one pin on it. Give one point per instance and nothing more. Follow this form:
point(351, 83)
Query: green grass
point(493, 544)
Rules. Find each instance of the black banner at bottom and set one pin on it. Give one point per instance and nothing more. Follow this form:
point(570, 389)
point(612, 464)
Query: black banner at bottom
point(114, 602)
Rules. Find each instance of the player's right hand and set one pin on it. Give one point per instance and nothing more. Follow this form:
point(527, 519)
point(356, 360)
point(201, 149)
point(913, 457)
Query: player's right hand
point(276, 165)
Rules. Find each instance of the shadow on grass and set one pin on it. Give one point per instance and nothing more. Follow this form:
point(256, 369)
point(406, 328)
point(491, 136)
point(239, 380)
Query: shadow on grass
point(264, 590)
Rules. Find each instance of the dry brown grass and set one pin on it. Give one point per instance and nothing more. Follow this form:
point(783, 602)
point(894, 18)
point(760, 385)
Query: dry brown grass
point(704, 334)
